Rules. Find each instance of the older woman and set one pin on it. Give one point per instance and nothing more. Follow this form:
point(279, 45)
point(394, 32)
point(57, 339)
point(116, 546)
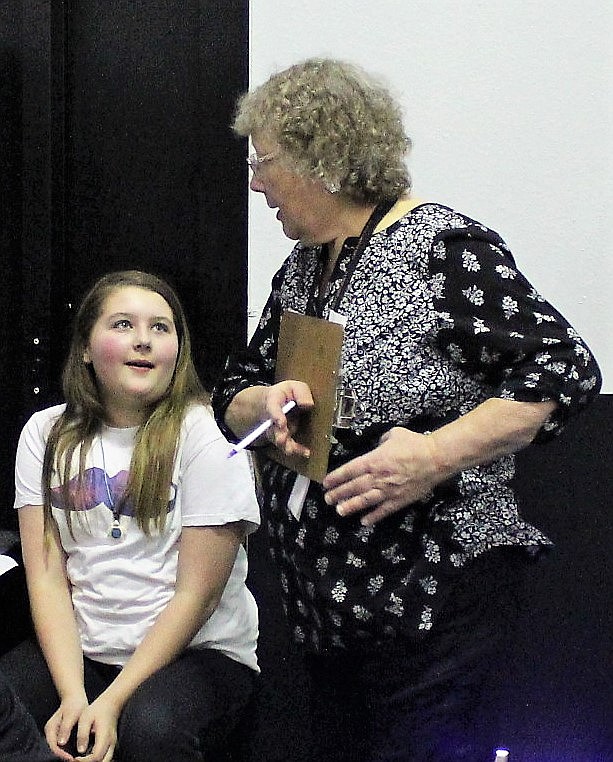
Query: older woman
point(398, 571)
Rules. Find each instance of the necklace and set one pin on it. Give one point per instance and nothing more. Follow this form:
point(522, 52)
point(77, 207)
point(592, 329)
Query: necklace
point(115, 531)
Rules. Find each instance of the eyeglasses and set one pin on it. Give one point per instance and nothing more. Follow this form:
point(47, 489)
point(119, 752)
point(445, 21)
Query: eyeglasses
point(255, 161)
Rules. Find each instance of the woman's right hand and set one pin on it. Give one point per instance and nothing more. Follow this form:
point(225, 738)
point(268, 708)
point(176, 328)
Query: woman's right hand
point(256, 404)
point(60, 724)
point(281, 433)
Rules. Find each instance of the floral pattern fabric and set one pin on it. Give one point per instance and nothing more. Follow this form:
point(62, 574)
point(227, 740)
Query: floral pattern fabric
point(439, 319)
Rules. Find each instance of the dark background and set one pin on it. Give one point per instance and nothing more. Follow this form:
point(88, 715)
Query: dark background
point(115, 152)
point(553, 693)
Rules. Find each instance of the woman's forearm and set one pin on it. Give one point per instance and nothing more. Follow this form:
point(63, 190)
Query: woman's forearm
point(406, 466)
point(246, 410)
point(495, 428)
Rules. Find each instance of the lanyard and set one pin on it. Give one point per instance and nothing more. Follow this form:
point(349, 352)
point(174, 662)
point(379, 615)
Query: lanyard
point(315, 305)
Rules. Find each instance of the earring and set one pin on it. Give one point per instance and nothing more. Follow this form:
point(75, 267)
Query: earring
point(331, 186)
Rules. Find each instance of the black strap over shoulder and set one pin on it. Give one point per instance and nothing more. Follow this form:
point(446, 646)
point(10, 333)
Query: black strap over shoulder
point(375, 218)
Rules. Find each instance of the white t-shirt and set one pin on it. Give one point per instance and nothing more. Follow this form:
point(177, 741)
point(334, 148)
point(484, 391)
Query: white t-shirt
point(120, 586)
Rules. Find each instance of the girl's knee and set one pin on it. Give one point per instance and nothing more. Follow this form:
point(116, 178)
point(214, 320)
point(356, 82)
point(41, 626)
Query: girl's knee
point(152, 731)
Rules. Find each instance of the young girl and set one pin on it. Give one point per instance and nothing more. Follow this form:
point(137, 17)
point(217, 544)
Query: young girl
point(132, 521)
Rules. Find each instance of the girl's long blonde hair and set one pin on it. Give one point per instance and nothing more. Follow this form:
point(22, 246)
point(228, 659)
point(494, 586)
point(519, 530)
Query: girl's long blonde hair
point(156, 440)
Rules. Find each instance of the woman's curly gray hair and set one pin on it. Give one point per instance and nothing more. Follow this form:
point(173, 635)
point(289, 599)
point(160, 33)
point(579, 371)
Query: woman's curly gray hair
point(333, 123)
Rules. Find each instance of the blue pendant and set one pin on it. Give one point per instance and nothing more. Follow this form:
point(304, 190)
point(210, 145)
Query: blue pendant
point(116, 530)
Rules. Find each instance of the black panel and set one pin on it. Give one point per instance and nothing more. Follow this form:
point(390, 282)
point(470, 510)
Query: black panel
point(10, 240)
point(156, 179)
point(117, 153)
point(560, 697)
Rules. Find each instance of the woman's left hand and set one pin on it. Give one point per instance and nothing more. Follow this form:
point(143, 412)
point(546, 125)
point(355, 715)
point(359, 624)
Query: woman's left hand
point(401, 470)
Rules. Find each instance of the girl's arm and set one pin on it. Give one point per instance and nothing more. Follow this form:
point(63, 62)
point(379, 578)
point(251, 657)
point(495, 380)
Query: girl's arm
point(54, 622)
point(206, 558)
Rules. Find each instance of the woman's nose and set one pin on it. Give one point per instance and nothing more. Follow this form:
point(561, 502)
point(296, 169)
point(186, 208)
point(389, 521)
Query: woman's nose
point(256, 183)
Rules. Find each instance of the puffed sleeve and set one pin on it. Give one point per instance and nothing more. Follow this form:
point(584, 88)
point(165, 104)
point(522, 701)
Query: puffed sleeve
point(254, 366)
point(495, 324)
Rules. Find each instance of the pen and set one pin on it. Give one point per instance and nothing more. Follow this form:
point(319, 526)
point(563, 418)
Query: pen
point(257, 432)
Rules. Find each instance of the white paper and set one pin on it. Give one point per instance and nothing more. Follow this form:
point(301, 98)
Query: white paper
point(7, 563)
point(298, 495)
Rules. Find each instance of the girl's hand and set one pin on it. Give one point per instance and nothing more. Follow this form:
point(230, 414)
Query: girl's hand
point(60, 724)
point(97, 732)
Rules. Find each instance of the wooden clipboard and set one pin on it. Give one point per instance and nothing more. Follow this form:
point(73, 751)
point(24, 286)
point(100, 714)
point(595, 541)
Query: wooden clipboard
point(309, 350)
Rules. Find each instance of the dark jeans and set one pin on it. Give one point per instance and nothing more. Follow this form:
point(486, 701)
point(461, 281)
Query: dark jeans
point(421, 702)
point(186, 711)
point(20, 740)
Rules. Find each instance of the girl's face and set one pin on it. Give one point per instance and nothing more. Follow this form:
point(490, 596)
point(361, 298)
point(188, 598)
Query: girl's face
point(133, 348)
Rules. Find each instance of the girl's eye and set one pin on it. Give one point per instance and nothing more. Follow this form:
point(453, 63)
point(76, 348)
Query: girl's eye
point(123, 323)
point(162, 327)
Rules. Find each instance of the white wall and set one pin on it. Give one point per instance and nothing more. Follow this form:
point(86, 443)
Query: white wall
point(509, 108)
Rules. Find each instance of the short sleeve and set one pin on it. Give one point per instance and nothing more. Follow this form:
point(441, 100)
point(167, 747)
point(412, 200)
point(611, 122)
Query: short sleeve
point(215, 489)
point(30, 456)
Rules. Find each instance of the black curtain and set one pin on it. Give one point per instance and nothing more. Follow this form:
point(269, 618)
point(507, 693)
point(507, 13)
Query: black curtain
point(116, 153)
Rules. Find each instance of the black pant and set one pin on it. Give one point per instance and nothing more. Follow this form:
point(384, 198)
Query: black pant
point(20, 740)
point(185, 711)
point(421, 702)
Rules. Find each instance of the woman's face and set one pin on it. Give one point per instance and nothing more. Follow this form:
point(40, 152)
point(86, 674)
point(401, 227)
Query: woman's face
point(133, 348)
point(305, 209)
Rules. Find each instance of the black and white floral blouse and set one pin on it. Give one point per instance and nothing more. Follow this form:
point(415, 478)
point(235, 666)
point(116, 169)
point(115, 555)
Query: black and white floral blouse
point(438, 320)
